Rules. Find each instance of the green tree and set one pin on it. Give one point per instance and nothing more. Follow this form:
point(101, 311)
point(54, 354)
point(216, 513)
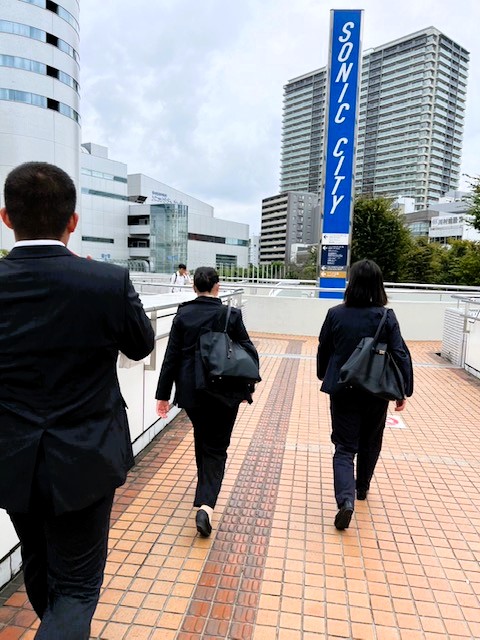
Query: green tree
point(380, 234)
point(475, 202)
point(422, 262)
point(308, 271)
point(464, 263)
point(3, 253)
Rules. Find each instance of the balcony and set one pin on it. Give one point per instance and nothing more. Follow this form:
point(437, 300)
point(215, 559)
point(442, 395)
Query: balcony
point(275, 567)
point(139, 229)
point(138, 252)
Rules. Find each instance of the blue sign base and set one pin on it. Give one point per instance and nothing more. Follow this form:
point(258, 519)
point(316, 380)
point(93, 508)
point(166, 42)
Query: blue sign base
point(332, 283)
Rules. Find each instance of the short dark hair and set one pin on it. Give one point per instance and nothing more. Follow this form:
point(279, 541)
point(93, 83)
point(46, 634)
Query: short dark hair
point(40, 199)
point(205, 279)
point(365, 285)
point(182, 266)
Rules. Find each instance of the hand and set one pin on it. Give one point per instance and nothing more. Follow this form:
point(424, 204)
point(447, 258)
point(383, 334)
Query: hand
point(401, 404)
point(163, 407)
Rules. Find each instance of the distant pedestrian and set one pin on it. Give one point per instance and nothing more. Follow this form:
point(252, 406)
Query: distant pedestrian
point(358, 418)
point(180, 278)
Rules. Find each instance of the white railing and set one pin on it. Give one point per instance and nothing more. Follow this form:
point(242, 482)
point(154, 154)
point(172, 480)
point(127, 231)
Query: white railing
point(290, 307)
point(291, 288)
point(461, 336)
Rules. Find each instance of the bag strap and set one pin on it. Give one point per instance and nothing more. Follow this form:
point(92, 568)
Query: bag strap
point(380, 327)
point(227, 318)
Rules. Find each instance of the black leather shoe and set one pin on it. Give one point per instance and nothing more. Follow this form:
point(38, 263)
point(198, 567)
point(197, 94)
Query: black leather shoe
point(344, 515)
point(362, 494)
point(204, 527)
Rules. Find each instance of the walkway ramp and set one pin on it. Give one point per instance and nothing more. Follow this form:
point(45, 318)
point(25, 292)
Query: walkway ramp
point(275, 568)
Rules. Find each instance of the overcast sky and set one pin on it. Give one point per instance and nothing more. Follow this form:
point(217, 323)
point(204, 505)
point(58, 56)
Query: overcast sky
point(190, 91)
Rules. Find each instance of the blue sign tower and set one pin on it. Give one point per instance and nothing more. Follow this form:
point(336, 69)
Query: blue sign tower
point(340, 146)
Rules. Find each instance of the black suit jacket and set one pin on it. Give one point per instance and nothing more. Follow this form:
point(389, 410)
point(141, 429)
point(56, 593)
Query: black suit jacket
point(63, 320)
point(343, 329)
point(193, 318)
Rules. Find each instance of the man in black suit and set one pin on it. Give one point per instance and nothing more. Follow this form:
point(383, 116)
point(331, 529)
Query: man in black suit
point(64, 438)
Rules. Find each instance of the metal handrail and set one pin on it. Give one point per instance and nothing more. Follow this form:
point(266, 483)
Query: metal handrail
point(467, 299)
point(174, 304)
point(268, 283)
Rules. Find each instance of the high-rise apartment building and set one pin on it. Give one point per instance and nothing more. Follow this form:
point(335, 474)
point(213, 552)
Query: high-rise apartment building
point(410, 128)
point(288, 219)
point(39, 91)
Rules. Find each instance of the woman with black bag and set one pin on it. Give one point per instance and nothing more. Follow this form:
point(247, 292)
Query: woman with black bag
point(212, 412)
point(358, 417)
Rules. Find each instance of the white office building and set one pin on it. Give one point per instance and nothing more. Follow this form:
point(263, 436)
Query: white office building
point(144, 223)
point(410, 127)
point(452, 220)
point(104, 205)
point(39, 91)
point(452, 226)
point(445, 220)
point(167, 226)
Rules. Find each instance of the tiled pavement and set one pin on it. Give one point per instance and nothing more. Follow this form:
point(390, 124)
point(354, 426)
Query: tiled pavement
point(275, 567)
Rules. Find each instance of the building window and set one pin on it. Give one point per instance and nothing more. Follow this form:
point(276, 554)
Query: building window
point(13, 95)
point(237, 242)
point(135, 221)
point(103, 194)
point(56, 8)
point(38, 67)
point(135, 243)
point(222, 260)
point(25, 30)
point(93, 239)
point(201, 237)
point(105, 176)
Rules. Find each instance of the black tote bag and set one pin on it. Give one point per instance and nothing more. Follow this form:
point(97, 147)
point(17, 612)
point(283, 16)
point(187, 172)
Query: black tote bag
point(224, 363)
point(372, 369)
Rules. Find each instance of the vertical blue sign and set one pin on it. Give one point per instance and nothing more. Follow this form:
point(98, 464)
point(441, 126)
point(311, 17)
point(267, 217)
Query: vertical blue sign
point(340, 143)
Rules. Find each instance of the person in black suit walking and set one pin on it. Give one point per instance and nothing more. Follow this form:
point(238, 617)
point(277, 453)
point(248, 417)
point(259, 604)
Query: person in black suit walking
point(358, 418)
point(64, 438)
point(212, 414)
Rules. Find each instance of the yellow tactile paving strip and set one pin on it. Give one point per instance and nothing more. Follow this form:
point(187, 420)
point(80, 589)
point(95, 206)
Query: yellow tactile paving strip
point(275, 567)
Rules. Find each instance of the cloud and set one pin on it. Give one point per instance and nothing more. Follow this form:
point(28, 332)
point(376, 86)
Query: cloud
point(190, 93)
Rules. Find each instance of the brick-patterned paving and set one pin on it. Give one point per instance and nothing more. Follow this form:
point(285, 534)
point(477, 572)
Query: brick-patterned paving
point(275, 568)
point(225, 601)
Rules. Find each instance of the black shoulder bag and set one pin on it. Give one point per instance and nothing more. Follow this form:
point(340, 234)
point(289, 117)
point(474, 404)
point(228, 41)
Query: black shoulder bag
point(372, 369)
point(225, 364)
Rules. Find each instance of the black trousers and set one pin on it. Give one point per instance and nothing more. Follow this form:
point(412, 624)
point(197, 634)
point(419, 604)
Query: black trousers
point(212, 430)
point(63, 562)
point(358, 423)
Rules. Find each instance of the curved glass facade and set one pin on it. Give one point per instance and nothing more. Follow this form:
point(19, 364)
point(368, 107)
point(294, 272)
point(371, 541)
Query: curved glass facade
point(19, 29)
point(39, 89)
point(15, 62)
point(56, 8)
point(13, 95)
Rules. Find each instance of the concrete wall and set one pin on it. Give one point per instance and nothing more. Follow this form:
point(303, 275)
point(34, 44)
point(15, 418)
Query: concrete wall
point(305, 316)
